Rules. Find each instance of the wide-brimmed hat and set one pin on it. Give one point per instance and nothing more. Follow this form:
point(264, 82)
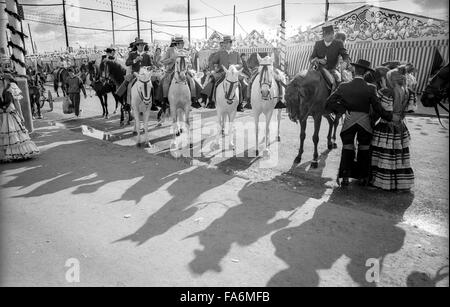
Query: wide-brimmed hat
point(109, 50)
point(227, 39)
point(327, 28)
point(363, 64)
point(177, 39)
point(139, 41)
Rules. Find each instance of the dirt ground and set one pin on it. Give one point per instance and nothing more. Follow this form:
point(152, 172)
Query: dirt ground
point(140, 217)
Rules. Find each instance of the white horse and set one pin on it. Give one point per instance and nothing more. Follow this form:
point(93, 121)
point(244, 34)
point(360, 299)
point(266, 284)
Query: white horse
point(141, 103)
point(179, 100)
point(264, 97)
point(227, 94)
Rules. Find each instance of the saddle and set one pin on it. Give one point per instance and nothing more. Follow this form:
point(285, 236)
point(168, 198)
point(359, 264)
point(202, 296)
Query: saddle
point(329, 78)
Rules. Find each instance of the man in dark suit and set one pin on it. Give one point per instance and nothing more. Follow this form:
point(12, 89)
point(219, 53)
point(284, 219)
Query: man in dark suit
point(355, 99)
point(326, 53)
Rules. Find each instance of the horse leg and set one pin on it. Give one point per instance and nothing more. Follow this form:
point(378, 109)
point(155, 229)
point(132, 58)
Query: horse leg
point(100, 97)
point(106, 106)
point(187, 121)
point(147, 140)
point(279, 125)
point(137, 127)
point(257, 133)
point(335, 127)
point(330, 132)
point(298, 159)
point(55, 87)
point(317, 124)
point(232, 131)
point(267, 141)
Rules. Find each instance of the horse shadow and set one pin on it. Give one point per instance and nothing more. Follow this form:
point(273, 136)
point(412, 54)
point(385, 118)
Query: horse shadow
point(423, 280)
point(254, 218)
point(185, 200)
point(337, 233)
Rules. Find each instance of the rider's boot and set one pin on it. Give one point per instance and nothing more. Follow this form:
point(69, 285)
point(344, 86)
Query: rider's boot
point(195, 104)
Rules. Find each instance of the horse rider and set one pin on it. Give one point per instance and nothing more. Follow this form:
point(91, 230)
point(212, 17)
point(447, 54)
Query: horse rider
point(169, 59)
point(356, 98)
point(110, 54)
point(326, 53)
point(224, 58)
point(136, 59)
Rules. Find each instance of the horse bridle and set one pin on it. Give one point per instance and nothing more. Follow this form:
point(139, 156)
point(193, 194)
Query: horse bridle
point(264, 78)
point(231, 90)
point(179, 69)
point(144, 99)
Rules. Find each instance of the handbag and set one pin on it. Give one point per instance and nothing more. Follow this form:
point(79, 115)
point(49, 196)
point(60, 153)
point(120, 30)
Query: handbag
point(67, 106)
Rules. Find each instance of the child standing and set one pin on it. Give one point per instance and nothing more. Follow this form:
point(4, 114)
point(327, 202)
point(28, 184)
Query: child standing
point(74, 87)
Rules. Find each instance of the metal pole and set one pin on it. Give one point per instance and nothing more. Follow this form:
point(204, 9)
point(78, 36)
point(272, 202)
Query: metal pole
point(151, 30)
point(206, 28)
point(189, 20)
point(31, 39)
point(327, 8)
point(65, 24)
point(112, 20)
point(234, 20)
point(283, 37)
point(4, 50)
point(138, 20)
point(19, 55)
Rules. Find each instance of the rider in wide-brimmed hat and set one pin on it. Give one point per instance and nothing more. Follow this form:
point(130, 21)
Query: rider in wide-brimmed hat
point(136, 59)
point(169, 60)
point(356, 97)
point(326, 55)
point(224, 58)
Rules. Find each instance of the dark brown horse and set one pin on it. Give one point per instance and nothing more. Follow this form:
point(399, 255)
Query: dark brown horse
point(306, 96)
point(437, 91)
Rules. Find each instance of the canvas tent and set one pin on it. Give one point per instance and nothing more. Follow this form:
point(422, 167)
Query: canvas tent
point(380, 35)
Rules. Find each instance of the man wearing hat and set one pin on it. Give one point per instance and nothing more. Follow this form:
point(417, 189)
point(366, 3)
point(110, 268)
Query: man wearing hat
point(136, 60)
point(224, 58)
point(168, 60)
point(356, 98)
point(326, 53)
point(110, 54)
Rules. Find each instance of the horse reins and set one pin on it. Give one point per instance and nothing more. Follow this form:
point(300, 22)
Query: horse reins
point(264, 78)
point(231, 90)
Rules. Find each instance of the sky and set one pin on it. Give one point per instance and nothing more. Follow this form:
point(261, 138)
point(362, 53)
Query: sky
point(300, 13)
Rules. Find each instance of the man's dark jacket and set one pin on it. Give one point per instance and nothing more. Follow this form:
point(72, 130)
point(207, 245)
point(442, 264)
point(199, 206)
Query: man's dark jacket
point(331, 52)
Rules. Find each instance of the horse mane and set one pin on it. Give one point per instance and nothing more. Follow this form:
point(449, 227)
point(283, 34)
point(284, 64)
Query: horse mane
point(116, 71)
point(301, 85)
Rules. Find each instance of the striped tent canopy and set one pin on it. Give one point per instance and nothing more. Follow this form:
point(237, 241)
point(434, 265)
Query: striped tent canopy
point(372, 23)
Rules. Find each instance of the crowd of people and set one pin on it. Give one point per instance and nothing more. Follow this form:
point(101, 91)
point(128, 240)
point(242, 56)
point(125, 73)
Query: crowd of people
point(375, 151)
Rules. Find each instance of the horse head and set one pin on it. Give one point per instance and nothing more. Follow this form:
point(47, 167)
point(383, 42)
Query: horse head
point(266, 76)
point(144, 84)
point(180, 68)
point(231, 81)
point(438, 89)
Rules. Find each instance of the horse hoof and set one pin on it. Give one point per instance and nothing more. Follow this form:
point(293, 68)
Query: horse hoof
point(330, 147)
point(279, 139)
point(122, 124)
point(178, 133)
point(138, 145)
point(298, 160)
point(335, 146)
point(135, 133)
point(257, 153)
point(314, 165)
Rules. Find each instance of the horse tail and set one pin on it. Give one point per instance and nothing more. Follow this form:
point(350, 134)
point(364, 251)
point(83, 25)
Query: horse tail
point(293, 98)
